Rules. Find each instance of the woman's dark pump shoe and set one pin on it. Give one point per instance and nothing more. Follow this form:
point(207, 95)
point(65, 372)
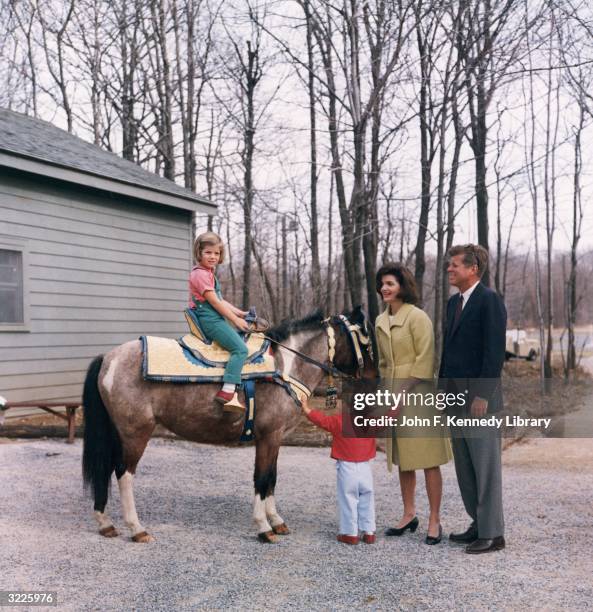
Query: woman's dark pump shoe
point(397, 531)
point(431, 540)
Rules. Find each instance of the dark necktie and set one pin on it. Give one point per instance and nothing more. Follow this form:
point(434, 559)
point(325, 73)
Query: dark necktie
point(458, 310)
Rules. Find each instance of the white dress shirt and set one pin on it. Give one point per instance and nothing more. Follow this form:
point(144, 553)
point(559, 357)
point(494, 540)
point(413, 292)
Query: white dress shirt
point(466, 294)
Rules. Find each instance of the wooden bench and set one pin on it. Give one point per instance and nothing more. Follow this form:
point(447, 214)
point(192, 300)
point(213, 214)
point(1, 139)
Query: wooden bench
point(50, 407)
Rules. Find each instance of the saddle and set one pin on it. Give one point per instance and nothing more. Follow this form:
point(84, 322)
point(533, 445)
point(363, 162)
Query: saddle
point(256, 324)
point(194, 358)
point(210, 352)
point(190, 360)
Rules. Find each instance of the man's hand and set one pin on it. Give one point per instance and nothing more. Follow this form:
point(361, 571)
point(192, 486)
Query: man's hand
point(479, 407)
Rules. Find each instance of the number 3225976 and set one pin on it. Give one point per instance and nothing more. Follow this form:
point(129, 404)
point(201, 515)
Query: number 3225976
point(40, 598)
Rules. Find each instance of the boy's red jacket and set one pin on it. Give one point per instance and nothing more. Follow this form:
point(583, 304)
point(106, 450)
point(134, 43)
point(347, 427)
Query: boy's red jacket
point(346, 449)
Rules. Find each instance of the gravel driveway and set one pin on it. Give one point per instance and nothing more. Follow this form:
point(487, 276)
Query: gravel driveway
point(196, 500)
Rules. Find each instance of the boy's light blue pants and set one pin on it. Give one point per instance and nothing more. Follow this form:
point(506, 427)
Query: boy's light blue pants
point(356, 499)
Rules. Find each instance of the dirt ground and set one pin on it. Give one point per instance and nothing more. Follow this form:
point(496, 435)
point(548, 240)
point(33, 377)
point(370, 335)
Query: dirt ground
point(196, 501)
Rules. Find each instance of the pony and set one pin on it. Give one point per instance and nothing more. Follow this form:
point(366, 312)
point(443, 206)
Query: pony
point(121, 411)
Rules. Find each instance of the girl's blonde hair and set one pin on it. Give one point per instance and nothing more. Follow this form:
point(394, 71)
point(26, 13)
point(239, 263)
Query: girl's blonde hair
point(207, 239)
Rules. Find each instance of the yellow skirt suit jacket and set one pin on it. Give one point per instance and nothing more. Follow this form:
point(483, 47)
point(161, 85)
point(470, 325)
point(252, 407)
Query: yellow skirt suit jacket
point(406, 349)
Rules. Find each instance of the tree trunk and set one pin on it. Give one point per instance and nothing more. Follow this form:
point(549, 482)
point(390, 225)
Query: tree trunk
point(251, 80)
point(577, 218)
point(318, 297)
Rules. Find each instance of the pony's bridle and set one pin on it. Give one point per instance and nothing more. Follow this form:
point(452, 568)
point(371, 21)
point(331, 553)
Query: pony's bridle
point(358, 336)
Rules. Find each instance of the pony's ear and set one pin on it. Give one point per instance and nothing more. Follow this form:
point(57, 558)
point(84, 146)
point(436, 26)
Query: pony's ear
point(357, 315)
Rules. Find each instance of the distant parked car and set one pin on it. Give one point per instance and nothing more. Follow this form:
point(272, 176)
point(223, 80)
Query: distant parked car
point(520, 346)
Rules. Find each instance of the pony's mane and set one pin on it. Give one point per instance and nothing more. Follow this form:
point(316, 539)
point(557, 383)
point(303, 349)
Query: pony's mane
point(288, 327)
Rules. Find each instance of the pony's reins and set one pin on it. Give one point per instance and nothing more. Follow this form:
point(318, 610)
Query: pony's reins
point(329, 370)
point(357, 337)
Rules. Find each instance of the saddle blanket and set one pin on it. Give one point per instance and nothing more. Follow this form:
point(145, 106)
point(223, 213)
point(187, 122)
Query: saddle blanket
point(189, 360)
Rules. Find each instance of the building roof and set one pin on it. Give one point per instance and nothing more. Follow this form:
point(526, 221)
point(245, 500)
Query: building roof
point(35, 146)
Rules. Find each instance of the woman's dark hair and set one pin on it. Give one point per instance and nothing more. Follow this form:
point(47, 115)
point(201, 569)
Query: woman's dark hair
point(408, 292)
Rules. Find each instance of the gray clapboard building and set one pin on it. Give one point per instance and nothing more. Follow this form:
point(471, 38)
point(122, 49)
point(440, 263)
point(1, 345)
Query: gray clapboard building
point(94, 251)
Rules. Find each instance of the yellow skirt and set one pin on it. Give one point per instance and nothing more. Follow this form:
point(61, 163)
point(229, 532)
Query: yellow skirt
point(419, 446)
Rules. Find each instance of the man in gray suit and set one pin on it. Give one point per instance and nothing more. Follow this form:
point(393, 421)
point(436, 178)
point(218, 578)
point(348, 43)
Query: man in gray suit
point(472, 360)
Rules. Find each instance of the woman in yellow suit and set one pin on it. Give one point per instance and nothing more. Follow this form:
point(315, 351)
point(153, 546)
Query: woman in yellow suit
point(405, 341)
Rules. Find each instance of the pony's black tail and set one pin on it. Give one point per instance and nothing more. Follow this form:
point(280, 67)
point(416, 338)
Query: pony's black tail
point(102, 451)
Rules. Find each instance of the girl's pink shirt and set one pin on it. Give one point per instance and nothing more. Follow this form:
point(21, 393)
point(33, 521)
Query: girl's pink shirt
point(200, 280)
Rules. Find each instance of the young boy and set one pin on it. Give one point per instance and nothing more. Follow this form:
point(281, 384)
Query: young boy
point(356, 500)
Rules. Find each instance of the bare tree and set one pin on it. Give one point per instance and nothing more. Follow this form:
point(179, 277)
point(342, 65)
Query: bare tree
point(440, 123)
point(377, 35)
point(489, 36)
point(23, 16)
point(313, 170)
point(531, 157)
point(580, 77)
point(244, 67)
point(550, 190)
point(53, 31)
point(502, 183)
point(161, 87)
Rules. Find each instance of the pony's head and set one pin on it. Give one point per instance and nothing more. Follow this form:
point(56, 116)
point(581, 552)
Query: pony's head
point(348, 344)
point(355, 344)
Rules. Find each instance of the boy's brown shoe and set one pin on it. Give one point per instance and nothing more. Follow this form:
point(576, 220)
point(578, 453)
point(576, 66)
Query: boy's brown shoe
point(347, 539)
point(369, 538)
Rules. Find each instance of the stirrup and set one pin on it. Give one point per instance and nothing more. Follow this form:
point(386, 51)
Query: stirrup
point(234, 405)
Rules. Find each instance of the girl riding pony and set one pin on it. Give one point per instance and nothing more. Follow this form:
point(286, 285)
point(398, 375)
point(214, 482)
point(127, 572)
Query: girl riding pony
point(214, 314)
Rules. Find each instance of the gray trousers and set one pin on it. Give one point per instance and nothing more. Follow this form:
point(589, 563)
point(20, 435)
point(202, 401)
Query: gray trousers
point(477, 454)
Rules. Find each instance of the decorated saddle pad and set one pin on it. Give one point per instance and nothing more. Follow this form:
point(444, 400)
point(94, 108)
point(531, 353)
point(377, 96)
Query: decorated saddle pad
point(213, 354)
point(190, 360)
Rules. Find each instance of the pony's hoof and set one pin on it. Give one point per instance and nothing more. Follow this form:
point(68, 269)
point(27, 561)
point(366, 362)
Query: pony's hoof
point(281, 529)
point(142, 537)
point(267, 537)
point(109, 532)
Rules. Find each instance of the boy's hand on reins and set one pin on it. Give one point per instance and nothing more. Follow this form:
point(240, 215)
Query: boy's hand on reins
point(305, 405)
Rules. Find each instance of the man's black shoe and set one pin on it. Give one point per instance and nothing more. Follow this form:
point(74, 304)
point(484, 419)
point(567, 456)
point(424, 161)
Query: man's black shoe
point(467, 537)
point(482, 545)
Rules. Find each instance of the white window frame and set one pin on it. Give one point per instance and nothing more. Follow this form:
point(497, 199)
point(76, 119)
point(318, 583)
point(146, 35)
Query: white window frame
point(13, 244)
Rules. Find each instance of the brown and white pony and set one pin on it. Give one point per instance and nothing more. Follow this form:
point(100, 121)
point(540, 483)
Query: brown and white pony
point(121, 410)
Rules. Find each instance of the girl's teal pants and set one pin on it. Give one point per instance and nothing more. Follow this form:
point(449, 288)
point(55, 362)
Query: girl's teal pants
point(217, 328)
